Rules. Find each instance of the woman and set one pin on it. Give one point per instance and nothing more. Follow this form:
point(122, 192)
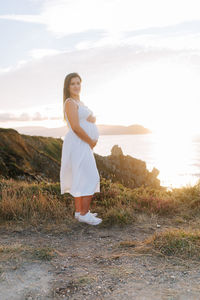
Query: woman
point(79, 174)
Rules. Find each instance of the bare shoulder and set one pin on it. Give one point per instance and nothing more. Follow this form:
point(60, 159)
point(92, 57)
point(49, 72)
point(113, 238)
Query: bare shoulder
point(70, 102)
point(70, 105)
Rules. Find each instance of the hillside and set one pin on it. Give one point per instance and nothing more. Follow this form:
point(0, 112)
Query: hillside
point(38, 158)
point(103, 130)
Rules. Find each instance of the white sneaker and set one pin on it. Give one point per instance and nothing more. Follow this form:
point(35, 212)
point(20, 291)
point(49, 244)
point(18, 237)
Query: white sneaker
point(89, 219)
point(78, 213)
point(94, 214)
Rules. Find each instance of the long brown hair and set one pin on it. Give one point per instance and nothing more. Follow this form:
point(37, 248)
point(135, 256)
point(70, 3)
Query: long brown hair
point(66, 93)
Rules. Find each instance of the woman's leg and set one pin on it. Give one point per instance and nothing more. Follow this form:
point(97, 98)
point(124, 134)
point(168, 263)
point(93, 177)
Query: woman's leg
point(78, 204)
point(85, 204)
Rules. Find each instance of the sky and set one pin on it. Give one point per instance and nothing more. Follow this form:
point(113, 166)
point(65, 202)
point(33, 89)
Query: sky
point(139, 61)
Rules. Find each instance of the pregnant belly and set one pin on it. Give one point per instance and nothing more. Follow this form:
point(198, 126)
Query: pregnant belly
point(90, 128)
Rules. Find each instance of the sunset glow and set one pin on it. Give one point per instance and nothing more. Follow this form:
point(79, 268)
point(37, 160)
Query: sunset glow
point(139, 66)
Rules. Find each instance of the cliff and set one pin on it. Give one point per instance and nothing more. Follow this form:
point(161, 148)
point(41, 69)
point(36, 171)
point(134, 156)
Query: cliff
point(37, 158)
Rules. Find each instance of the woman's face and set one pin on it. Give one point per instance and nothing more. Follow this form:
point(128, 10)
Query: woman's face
point(75, 86)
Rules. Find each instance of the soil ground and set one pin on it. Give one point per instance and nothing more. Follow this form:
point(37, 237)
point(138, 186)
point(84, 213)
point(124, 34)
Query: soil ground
point(87, 262)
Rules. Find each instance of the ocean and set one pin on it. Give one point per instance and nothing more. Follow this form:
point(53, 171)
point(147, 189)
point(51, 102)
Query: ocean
point(176, 157)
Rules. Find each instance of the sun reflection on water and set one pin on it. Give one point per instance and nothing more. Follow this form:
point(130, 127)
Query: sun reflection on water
point(172, 152)
point(176, 156)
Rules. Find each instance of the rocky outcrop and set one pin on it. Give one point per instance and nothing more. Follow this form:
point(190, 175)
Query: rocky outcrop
point(129, 171)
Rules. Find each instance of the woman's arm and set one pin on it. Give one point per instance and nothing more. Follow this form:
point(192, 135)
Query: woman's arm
point(91, 118)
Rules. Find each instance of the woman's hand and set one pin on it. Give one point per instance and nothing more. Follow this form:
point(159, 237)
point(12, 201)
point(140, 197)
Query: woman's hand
point(91, 118)
point(93, 143)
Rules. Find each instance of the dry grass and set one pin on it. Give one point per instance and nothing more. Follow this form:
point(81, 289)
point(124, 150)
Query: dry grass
point(43, 202)
point(18, 250)
point(22, 201)
point(183, 244)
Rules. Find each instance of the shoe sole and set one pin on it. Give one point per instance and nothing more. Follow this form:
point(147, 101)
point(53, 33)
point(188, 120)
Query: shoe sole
point(90, 223)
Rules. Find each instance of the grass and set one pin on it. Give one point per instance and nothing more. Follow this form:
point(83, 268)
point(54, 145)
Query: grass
point(38, 203)
point(42, 203)
point(17, 250)
point(174, 242)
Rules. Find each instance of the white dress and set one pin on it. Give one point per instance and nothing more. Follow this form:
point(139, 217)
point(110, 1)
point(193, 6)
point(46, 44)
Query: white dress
point(79, 175)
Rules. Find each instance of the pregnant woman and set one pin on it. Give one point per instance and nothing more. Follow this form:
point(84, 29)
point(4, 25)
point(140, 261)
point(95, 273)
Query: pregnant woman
point(78, 173)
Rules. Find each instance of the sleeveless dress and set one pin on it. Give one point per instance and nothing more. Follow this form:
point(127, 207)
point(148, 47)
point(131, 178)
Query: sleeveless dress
point(79, 175)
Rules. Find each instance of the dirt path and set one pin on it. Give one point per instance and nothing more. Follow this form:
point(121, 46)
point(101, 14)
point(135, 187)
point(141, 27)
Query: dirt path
point(89, 264)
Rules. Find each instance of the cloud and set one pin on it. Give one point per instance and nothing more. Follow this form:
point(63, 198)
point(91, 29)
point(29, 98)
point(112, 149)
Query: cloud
point(25, 117)
point(40, 81)
point(63, 17)
point(132, 79)
point(118, 22)
point(6, 117)
point(118, 38)
point(39, 53)
point(4, 70)
point(23, 18)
